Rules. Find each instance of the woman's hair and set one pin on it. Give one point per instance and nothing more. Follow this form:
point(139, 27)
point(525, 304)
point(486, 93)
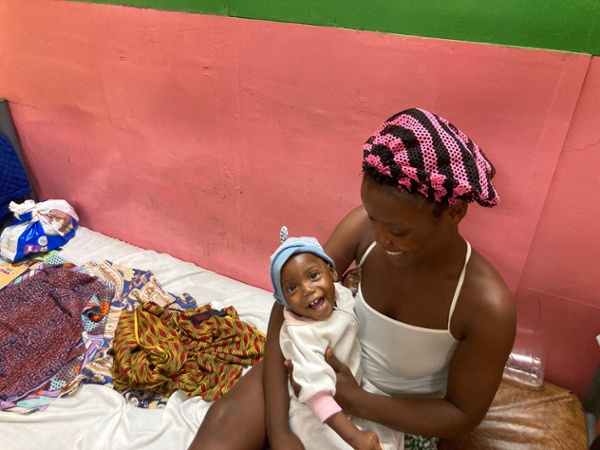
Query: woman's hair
point(394, 193)
point(422, 153)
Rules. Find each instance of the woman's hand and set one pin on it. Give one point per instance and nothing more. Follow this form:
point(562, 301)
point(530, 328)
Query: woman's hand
point(351, 279)
point(346, 386)
point(289, 366)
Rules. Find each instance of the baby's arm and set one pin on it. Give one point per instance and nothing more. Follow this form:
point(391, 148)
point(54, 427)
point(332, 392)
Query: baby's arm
point(326, 409)
point(354, 436)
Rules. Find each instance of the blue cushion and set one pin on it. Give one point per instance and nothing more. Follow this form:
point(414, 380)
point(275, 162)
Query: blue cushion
point(14, 183)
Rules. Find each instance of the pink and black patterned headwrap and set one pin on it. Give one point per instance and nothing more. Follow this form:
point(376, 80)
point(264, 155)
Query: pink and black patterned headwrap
point(420, 152)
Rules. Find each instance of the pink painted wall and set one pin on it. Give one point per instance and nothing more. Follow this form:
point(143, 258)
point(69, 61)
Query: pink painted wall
point(200, 136)
point(559, 289)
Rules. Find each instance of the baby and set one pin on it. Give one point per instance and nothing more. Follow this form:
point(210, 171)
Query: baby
point(319, 314)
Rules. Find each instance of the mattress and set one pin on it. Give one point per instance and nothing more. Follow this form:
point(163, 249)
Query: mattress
point(97, 417)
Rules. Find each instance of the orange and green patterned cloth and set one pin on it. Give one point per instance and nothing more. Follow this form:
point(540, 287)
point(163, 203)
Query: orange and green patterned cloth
point(200, 351)
point(205, 359)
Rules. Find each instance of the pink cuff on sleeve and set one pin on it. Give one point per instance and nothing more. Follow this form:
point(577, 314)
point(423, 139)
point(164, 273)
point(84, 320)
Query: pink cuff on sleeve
point(323, 405)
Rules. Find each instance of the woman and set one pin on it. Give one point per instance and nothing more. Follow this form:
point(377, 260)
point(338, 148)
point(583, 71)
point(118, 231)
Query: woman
point(437, 321)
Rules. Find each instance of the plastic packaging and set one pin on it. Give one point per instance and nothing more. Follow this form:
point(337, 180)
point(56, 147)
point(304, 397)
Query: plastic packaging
point(527, 369)
point(39, 227)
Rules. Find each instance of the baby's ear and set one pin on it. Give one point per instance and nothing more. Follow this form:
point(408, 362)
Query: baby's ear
point(334, 273)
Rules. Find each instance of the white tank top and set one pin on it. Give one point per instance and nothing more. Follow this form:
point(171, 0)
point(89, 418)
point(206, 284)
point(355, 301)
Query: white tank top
point(402, 359)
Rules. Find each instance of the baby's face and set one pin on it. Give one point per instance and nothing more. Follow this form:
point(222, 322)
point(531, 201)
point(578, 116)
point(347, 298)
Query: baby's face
point(307, 283)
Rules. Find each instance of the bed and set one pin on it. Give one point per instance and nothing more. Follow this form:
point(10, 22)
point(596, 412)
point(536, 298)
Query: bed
point(94, 416)
point(97, 417)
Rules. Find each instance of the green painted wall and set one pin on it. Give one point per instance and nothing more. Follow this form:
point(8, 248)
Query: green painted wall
point(570, 25)
point(217, 7)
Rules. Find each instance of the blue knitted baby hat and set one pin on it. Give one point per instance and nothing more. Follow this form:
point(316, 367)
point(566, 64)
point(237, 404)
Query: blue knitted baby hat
point(289, 247)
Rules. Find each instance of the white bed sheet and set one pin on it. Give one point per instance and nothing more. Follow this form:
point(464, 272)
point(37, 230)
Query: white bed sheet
point(98, 418)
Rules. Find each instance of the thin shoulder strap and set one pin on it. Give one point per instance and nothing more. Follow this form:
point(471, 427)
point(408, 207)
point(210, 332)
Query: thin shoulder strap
point(461, 279)
point(366, 253)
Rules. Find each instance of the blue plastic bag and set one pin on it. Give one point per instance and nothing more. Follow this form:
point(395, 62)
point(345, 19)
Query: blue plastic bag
point(39, 227)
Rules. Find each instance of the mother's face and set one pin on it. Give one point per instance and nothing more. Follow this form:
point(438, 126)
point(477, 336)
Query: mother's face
point(405, 225)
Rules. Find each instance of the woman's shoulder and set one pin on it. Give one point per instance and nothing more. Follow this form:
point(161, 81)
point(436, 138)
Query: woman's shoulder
point(485, 296)
point(357, 217)
point(484, 275)
point(349, 238)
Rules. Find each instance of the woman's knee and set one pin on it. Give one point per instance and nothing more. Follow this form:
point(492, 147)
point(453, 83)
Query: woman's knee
point(221, 413)
point(243, 403)
point(236, 420)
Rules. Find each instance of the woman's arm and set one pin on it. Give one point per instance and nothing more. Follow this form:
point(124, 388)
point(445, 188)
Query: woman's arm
point(277, 400)
point(474, 376)
point(345, 241)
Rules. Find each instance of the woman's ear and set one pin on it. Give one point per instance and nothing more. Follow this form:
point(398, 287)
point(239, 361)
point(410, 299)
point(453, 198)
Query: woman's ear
point(455, 213)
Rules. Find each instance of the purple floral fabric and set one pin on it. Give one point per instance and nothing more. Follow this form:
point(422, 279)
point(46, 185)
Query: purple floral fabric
point(41, 326)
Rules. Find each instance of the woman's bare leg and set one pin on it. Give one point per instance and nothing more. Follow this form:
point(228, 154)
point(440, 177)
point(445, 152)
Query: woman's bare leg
point(236, 420)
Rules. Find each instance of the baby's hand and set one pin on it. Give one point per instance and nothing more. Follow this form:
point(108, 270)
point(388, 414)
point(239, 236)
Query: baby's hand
point(366, 440)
